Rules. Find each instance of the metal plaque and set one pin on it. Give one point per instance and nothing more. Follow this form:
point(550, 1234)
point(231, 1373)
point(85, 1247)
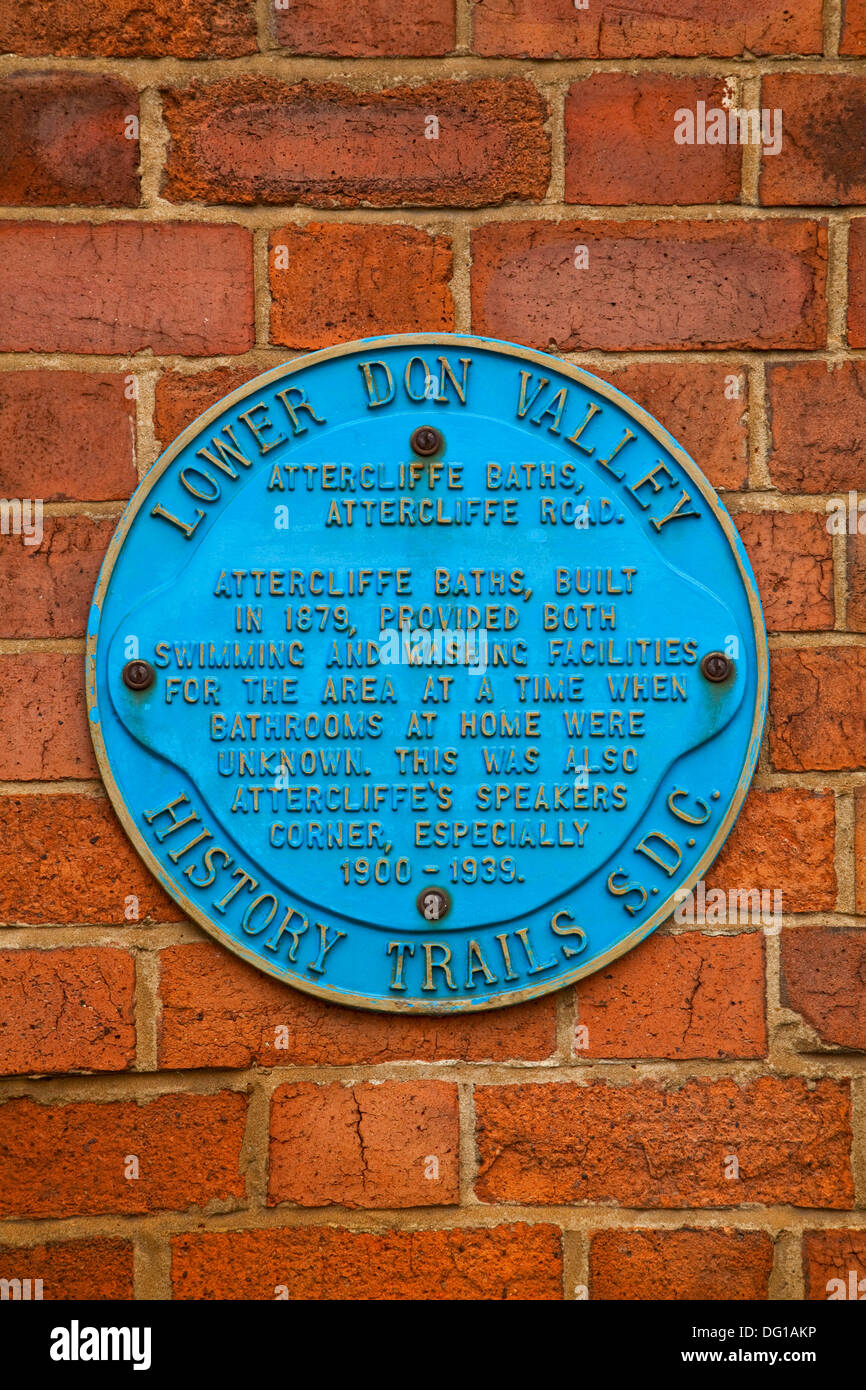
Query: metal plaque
point(426, 673)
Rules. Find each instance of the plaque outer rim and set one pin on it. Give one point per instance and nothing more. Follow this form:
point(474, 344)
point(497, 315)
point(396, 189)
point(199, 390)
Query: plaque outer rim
point(708, 492)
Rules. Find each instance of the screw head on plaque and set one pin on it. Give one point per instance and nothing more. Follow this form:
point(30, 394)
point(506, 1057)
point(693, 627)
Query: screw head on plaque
point(427, 673)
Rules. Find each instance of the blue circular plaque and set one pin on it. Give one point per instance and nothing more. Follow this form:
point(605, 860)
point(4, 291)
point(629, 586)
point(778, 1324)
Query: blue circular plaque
point(426, 673)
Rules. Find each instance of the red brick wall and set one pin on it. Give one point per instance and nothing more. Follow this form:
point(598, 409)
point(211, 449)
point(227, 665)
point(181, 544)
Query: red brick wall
point(582, 1141)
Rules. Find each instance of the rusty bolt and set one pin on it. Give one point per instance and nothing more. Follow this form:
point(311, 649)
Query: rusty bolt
point(433, 904)
point(138, 675)
point(426, 441)
point(716, 666)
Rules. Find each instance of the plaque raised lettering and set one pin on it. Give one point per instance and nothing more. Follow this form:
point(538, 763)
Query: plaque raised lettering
point(426, 673)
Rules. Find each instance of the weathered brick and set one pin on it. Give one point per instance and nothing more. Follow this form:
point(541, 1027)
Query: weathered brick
point(695, 401)
point(66, 435)
point(818, 441)
point(818, 709)
point(217, 1011)
point(852, 41)
point(66, 859)
point(345, 282)
point(860, 849)
point(120, 287)
point(707, 1265)
point(71, 1160)
point(783, 840)
point(376, 29)
point(620, 146)
point(855, 607)
point(43, 720)
point(649, 1146)
point(72, 1270)
point(65, 140)
point(66, 1010)
point(831, 1256)
point(389, 1144)
point(646, 28)
point(128, 28)
point(517, 1261)
point(691, 995)
point(47, 589)
point(255, 140)
point(824, 979)
point(792, 556)
point(181, 398)
point(663, 284)
point(822, 159)
point(857, 283)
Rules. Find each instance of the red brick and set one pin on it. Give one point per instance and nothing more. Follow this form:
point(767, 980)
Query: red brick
point(693, 401)
point(43, 721)
point(818, 428)
point(792, 556)
point(852, 41)
point(707, 1265)
point(620, 147)
point(668, 284)
point(824, 979)
point(48, 588)
point(367, 1145)
point(322, 1262)
point(345, 282)
point(860, 849)
point(66, 859)
point(375, 29)
point(691, 995)
point(66, 1010)
point(646, 28)
point(647, 1145)
point(66, 435)
point(217, 1011)
point(818, 709)
point(822, 158)
point(69, 1160)
point(181, 398)
point(128, 28)
point(855, 608)
point(834, 1255)
point(73, 1269)
point(857, 283)
point(65, 141)
point(783, 839)
point(121, 287)
point(255, 140)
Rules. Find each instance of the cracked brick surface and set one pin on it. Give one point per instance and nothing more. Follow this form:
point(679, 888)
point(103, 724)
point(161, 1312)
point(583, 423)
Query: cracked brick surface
point(43, 719)
point(647, 1145)
point(392, 1144)
point(691, 995)
point(818, 709)
point(66, 1010)
point(824, 979)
